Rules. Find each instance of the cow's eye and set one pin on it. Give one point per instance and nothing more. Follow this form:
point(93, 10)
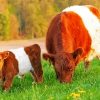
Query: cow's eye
point(69, 68)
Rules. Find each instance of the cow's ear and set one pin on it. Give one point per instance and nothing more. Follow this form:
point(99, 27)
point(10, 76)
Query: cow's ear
point(48, 56)
point(5, 55)
point(77, 53)
point(27, 50)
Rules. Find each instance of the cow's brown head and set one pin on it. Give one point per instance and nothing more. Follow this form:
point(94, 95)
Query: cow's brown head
point(64, 63)
point(3, 56)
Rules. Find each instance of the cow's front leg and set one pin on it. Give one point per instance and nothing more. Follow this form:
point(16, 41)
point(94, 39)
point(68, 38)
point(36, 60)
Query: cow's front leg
point(8, 81)
point(89, 58)
point(86, 64)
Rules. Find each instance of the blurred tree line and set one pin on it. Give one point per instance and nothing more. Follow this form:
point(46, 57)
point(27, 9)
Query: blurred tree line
point(30, 18)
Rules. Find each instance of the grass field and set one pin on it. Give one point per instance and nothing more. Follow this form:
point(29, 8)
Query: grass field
point(85, 85)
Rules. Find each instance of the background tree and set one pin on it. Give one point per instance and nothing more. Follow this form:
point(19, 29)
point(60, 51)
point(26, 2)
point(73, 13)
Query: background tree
point(31, 18)
point(4, 20)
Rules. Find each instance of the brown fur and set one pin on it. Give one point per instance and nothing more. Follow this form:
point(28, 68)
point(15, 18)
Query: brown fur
point(10, 67)
point(65, 44)
point(60, 60)
point(34, 53)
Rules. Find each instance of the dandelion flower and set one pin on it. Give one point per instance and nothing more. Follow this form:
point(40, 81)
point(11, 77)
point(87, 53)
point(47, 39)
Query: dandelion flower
point(75, 95)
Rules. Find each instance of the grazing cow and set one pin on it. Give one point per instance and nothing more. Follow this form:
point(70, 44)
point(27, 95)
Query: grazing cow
point(73, 36)
point(20, 61)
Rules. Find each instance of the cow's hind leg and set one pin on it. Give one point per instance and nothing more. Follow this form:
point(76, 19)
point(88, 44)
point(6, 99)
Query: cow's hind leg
point(86, 64)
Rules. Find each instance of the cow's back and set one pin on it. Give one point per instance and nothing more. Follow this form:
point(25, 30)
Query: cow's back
point(24, 63)
point(76, 26)
point(74, 33)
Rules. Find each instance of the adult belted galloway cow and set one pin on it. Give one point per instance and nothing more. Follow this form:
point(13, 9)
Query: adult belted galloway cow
point(73, 36)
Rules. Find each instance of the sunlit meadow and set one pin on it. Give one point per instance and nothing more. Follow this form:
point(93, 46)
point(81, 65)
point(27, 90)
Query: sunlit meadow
point(85, 85)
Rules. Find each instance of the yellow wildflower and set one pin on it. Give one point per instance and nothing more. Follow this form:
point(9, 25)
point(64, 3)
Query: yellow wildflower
point(51, 98)
point(75, 95)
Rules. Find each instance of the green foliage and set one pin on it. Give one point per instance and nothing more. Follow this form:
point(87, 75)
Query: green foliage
point(85, 85)
point(3, 23)
point(4, 26)
point(32, 17)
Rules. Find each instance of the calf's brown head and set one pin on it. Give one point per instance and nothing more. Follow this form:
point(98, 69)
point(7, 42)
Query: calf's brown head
point(64, 63)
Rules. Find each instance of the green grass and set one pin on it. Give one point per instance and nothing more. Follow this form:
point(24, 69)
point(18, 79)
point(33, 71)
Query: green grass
point(85, 85)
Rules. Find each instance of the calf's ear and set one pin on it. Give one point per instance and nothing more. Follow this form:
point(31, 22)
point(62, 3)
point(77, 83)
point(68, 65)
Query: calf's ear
point(5, 55)
point(77, 53)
